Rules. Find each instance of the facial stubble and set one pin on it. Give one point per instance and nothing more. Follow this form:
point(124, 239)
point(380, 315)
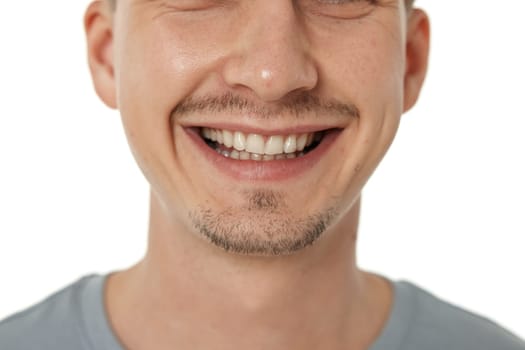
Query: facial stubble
point(264, 226)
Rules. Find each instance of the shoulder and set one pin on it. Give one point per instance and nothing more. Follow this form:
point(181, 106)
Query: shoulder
point(437, 324)
point(54, 323)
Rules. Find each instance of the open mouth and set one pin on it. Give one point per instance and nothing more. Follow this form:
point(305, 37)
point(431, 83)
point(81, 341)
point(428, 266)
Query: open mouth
point(241, 146)
point(263, 156)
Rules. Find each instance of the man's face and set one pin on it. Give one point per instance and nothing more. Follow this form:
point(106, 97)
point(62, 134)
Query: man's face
point(258, 122)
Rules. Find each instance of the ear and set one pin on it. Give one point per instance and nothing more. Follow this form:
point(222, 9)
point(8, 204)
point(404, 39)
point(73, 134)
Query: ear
point(417, 49)
point(98, 24)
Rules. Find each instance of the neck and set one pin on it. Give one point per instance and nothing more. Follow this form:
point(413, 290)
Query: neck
point(187, 293)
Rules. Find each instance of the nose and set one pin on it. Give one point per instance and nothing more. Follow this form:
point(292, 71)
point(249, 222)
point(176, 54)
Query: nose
point(271, 56)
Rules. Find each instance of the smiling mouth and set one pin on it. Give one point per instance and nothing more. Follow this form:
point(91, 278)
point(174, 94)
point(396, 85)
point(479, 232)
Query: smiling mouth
point(242, 146)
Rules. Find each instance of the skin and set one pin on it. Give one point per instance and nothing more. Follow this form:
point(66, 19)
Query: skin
point(150, 56)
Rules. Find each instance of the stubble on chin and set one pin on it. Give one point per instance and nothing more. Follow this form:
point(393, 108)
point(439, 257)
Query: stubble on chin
point(264, 226)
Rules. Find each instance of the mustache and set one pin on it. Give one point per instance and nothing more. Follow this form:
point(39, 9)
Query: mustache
point(301, 104)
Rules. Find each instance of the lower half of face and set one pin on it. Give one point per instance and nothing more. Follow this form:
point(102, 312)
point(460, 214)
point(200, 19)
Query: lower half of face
point(255, 175)
point(251, 196)
point(267, 195)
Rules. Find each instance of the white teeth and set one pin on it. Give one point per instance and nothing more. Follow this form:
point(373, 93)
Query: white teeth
point(290, 144)
point(309, 139)
point(227, 138)
point(274, 145)
point(239, 141)
point(255, 144)
point(244, 156)
point(258, 147)
point(301, 141)
point(256, 156)
point(234, 154)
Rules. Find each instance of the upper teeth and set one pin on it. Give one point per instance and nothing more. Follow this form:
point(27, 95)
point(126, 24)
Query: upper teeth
point(258, 144)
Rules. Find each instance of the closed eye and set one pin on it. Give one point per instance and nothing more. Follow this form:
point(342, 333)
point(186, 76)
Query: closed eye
point(342, 2)
point(192, 5)
point(339, 9)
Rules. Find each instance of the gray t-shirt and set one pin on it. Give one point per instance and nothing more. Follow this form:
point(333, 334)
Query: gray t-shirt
point(75, 319)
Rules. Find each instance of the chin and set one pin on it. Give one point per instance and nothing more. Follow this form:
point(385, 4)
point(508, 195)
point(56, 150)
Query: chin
point(265, 227)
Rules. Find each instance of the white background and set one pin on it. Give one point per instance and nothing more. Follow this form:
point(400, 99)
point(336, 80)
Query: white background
point(445, 208)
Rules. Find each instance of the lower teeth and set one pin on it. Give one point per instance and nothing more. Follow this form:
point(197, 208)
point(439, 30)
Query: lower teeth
point(234, 154)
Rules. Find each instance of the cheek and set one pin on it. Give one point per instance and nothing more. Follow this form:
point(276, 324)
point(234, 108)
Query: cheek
point(167, 58)
point(366, 69)
point(157, 70)
point(159, 67)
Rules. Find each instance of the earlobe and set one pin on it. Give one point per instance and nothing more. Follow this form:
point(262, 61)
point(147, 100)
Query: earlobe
point(99, 35)
point(417, 51)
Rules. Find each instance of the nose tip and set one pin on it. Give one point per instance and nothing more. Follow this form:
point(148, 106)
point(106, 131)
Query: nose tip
point(271, 82)
point(274, 78)
point(272, 62)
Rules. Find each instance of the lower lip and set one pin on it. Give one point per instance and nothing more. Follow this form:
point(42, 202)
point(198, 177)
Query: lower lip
point(272, 170)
